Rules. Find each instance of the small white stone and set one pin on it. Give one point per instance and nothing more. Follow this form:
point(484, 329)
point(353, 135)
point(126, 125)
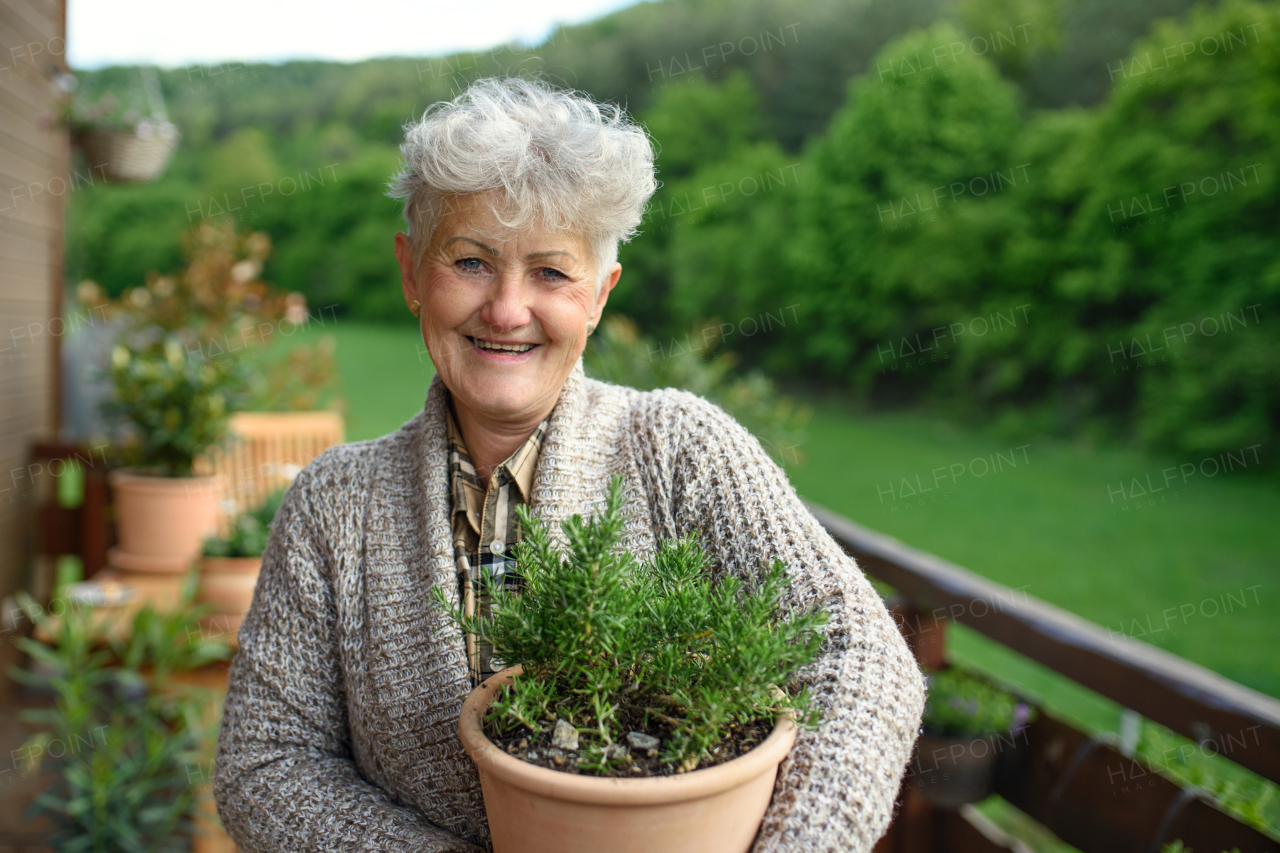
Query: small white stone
point(642, 741)
point(615, 752)
point(565, 736)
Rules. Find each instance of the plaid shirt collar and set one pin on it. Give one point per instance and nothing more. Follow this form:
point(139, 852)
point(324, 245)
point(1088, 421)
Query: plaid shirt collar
point(519, 468)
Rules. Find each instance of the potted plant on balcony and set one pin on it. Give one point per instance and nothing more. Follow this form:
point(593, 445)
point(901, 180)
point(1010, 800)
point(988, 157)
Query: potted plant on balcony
point(956, 752)
point(647, 709)
point(179, 368)
point(230, 564)
point(177, 405)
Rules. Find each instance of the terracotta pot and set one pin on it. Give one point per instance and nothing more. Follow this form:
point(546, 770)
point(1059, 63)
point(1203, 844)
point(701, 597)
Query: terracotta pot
point(227, 583)
point(161, 522)
point(950, 771)
point(533, 809)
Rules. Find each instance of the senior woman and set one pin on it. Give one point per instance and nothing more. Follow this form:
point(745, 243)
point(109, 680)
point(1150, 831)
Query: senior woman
point(340, 725)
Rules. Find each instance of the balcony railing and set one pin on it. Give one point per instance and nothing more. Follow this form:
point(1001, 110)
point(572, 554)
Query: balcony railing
point(1062, 777)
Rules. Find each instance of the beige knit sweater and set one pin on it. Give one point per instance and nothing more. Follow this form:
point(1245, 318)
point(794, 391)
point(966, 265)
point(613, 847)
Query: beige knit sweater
point(340, 726)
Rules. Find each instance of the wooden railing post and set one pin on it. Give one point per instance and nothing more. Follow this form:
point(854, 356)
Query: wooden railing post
point(95, 525)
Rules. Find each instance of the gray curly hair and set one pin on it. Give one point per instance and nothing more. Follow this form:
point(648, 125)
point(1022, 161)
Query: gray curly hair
point(550, 156)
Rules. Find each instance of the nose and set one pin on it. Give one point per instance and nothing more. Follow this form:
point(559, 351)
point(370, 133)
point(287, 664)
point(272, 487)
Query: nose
point(507, 307)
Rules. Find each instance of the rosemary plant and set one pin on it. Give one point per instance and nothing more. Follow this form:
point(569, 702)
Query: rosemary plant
point(603, 637)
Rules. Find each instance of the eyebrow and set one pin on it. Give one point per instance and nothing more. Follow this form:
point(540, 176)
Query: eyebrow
point(533, 255)
point(488, 249)
point(529, 257)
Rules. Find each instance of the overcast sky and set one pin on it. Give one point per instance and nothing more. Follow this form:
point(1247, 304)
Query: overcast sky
point(175, 33)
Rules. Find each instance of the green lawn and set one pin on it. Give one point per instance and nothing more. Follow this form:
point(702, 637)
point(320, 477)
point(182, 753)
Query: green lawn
point(1195, 574)
point(384, 370)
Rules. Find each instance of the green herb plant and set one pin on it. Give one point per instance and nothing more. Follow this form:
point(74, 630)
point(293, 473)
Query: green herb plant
point(124, 740)
point(961, 704)
point(601, 635)
point(249, 532)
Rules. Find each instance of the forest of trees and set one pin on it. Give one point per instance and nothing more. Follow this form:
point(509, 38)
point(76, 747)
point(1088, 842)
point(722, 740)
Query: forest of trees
point(1059, 214)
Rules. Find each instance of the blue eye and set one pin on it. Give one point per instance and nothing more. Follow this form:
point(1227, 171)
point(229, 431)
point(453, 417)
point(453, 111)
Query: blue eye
point(467, 264)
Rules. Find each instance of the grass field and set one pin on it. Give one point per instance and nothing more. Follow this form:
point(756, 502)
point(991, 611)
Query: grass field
point(1192, 569)
point(385, 372)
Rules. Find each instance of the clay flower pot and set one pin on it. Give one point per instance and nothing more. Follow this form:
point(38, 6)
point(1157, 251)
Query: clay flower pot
point(161, 522)
point(950, 771)
point(227, 583)
point(533, 809)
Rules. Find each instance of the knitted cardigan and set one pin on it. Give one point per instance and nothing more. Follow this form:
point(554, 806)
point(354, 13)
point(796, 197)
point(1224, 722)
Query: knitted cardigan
point(340, 725)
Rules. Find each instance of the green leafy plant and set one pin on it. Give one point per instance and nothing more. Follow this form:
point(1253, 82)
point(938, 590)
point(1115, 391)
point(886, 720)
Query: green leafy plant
point(132, 112)
point(122, 737)
point(960, 704)
point(1177, 847)
point(249, 532)
point(601, 636)
point(219, 293)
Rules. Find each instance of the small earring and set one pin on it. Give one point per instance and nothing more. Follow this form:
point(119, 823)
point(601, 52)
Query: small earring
point(415, 308)
point(591, 327)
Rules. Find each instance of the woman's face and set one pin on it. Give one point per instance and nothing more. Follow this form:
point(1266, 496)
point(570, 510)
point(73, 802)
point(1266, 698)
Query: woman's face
point(504, 315)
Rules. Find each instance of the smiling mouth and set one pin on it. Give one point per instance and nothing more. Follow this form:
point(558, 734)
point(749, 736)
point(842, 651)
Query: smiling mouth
point(513, 348)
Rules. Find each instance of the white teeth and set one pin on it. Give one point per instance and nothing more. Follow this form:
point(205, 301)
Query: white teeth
point(497, 347)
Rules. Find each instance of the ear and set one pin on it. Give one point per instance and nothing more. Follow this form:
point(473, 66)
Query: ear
point(610, 282)
point(408, 274)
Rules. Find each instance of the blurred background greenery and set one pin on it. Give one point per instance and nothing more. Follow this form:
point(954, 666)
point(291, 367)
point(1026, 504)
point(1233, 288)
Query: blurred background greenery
point(1085, 242)
point(948, 228)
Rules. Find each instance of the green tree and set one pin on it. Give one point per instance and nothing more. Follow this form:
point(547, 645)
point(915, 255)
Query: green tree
point(880, 253)
point(694, 124)
point(1171, 257)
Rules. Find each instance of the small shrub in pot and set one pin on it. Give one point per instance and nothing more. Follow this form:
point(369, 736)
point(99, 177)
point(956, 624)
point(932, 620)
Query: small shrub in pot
point(185, 358)
point(963, 718)
point(635, 669)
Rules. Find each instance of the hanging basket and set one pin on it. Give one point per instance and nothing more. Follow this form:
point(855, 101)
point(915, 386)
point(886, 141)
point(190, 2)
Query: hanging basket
point(134, 156)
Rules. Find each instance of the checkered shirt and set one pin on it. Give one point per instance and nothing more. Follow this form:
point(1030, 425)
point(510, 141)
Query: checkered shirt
point(485, 529)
